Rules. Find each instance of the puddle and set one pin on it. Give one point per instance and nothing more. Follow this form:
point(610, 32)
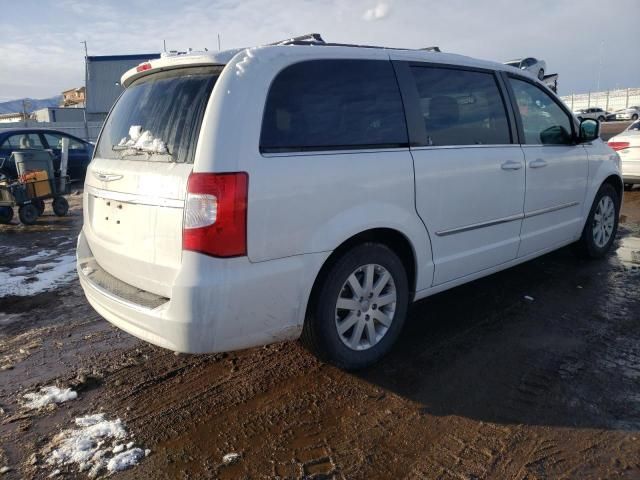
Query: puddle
point(629, 252)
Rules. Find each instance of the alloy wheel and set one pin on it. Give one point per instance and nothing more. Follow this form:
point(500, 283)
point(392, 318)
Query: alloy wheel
point(603, 221)
point(365, 307)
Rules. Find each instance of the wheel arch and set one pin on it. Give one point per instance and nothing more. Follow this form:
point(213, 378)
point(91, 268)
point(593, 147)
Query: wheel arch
point(398, 242)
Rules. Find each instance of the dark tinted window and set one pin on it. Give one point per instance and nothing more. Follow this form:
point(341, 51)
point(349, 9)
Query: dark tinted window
point(334, 104)
point(158, 117)
point(543, 121)
point(461, 107)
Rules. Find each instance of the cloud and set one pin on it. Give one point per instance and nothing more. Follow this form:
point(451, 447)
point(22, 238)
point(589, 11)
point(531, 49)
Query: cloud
point(380, 11)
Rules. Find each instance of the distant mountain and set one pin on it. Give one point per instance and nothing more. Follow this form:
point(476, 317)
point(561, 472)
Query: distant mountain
point(13, 106)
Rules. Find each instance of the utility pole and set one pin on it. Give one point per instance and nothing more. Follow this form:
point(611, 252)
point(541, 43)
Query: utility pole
point(601, 51)
point(86, 93)
point(218, 42)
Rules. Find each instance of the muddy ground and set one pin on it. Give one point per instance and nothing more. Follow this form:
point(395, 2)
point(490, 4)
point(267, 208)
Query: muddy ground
point(482, 384)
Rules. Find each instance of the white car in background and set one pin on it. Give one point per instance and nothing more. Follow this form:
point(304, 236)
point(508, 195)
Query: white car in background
point(631, 113)
point(594, 113)
point(627, 144)
point(532, 65)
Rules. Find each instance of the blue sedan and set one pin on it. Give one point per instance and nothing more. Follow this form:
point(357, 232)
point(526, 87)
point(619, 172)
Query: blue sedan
point(13, 139)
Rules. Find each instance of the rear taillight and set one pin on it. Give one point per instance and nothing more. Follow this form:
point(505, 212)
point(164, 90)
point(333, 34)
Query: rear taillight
point(619, 145)
point(215, 214)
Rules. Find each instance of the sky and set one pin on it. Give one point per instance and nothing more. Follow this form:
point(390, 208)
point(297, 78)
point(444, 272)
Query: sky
point(589, 43)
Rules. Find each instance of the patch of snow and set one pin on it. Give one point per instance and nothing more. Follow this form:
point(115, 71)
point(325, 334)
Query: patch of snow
point(528, 298)
point(55, 473)
point(231, 458)
point(143, 140)
point(37, 256)
point(125, 460)
point(44, 266)
point(18, 271)
point(96, 444)
point(130, 445)
point(47, 396)
point(62, 271)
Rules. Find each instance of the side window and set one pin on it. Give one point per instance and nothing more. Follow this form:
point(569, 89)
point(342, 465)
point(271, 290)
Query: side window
point(461, 107)
point(23, 141)
point(54, 140)
point(75, 144)
point(543, 121)
point(334, 104)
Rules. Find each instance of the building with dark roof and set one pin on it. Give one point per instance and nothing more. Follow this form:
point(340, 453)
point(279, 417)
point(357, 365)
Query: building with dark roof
point(103, 81)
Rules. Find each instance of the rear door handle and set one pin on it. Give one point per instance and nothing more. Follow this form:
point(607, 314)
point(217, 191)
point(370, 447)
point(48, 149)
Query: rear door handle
point(510, 165)
point(537, 163)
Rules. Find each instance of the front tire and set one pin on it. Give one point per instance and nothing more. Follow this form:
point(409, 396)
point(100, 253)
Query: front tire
point(359, 308)
point(28, 214)
point(602, 223)
point(601, 119)
point(6, 215)
point(60, 206)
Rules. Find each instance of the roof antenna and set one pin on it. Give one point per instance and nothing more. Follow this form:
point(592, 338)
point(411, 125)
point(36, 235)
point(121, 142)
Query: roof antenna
point(164, 43)
point(218, 42)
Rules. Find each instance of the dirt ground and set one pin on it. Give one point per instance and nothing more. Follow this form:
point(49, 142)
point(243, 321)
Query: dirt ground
point(482, 384)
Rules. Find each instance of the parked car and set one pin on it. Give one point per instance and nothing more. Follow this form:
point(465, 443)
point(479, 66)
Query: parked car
point(534, 66)
point(80, 152)
point(317, 190)
point(627, 144)
point(631, 113)
point(594, 113)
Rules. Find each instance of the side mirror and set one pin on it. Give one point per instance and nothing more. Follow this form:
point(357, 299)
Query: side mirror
point(589, 130)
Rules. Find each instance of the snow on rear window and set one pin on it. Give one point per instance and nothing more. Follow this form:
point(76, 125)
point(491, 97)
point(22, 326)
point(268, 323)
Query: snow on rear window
point(158, 117)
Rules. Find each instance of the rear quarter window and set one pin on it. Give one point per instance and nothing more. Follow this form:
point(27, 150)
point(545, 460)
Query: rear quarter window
point(158, 117)
point(334, 104)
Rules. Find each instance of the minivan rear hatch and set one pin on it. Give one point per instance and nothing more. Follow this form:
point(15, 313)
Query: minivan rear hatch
point(136, 184)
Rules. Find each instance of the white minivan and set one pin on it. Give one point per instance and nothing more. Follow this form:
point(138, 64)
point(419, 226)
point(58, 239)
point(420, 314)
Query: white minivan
point(314, 190)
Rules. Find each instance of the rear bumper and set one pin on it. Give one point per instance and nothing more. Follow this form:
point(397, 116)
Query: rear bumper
point(215, 305)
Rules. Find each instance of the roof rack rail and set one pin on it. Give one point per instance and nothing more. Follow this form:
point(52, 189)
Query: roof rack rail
point(431, 49)
point(308, 39)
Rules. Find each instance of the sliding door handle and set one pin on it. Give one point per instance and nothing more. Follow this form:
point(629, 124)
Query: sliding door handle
point(537, 163)
point(511, 165)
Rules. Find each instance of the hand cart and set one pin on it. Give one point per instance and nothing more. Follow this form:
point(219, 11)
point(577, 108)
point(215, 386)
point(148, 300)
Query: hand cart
point(36, 183)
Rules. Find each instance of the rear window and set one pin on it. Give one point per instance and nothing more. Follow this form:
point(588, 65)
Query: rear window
point(334, 105)
point(158, 117)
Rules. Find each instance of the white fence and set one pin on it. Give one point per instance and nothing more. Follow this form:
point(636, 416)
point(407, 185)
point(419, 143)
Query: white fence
point(610, 100)
point(88, 132)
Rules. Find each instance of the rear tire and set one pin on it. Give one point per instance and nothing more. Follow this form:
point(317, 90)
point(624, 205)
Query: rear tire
point(28, 214)
point(602, 224)
point(60, 206)
point(362, 332)
point(601, 119)
point(6, 215)
point(628, 187)
point(634, 117)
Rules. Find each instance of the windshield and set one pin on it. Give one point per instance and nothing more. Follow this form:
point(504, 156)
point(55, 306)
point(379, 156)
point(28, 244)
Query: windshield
point(158, 117)
point(635, 126)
